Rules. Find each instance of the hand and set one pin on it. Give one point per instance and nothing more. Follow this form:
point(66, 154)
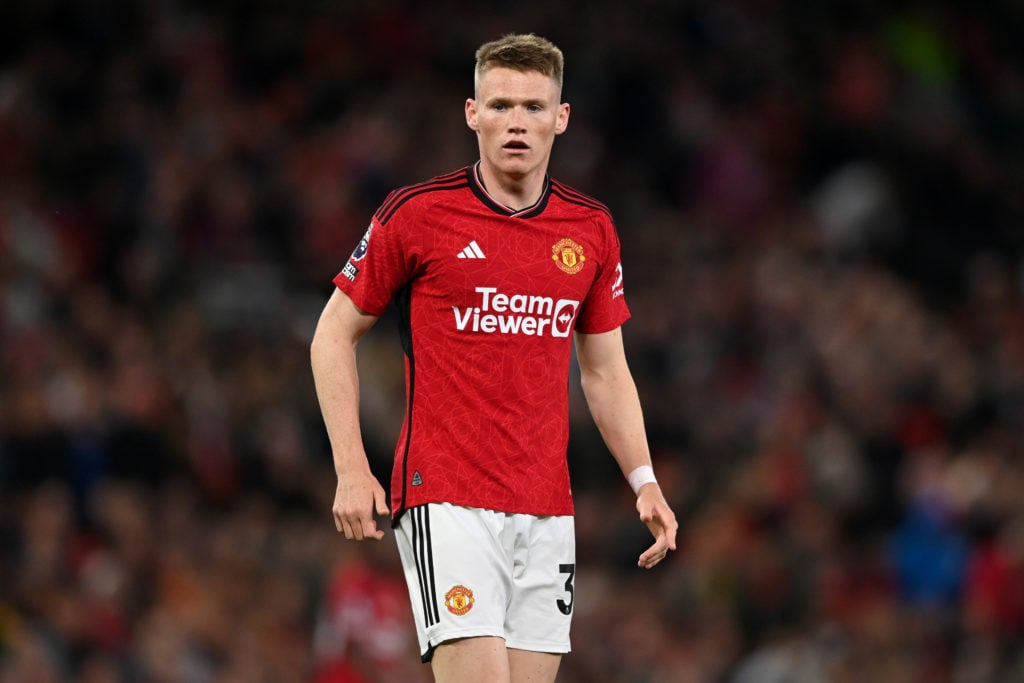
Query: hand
point(355, 501)
point(659, 518)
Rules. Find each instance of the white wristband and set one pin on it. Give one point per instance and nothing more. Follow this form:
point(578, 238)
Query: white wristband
point(640, 476)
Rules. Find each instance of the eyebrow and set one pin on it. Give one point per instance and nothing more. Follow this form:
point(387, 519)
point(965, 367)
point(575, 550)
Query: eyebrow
point(511, 100)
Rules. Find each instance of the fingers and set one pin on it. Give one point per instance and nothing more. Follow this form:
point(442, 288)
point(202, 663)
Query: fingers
point(664, 541)
point(671, 527)
point(359, 525)
point(342, 523)
point(356, 527)
point(653, 555)
point(355, 503)
point(660, 519)
point(369, 529)
point(381, 503)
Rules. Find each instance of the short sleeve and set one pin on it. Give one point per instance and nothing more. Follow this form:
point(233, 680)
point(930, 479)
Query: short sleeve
point(605, 306)
point(379, 266)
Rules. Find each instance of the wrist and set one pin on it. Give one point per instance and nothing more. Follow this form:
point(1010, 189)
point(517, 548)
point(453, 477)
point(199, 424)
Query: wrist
point(640, 476)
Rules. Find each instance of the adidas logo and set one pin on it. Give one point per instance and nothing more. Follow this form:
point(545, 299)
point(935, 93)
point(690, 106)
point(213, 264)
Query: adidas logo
point(472, 251)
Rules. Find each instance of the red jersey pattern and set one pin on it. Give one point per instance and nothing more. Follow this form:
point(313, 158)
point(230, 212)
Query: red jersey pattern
point(488, 299)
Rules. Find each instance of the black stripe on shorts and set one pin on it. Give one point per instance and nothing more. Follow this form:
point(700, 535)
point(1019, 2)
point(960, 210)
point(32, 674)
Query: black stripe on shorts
point(423, 553)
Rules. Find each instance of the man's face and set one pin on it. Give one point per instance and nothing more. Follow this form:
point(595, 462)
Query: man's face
point(516, 115)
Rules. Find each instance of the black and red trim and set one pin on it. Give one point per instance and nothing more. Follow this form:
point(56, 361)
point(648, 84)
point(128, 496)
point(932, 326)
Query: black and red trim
point(566, 193)
point(451, 181)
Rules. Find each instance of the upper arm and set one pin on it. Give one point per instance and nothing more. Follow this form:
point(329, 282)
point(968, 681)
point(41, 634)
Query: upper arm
point(342, 321)
point(601, 354)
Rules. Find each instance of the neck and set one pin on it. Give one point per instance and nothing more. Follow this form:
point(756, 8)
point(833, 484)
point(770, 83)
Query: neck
point(515, 192)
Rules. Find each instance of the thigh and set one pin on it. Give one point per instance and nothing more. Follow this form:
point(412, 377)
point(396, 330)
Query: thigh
point(471, 660)
point(457, 571)
point(526, 666)
point(487, 660)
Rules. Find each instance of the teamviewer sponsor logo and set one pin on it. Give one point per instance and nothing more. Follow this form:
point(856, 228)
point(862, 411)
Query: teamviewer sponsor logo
point(561, 320)
point(529, 314)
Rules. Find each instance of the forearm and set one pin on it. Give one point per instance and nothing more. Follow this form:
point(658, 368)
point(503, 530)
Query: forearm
point(337, 389)
point(615, 407)
point(336, 379)
point(358, 495)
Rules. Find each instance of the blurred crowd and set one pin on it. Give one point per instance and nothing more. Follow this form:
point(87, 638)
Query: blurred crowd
point(821, 208)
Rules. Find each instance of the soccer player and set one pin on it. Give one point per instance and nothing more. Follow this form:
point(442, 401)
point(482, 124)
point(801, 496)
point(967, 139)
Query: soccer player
point(496, 269)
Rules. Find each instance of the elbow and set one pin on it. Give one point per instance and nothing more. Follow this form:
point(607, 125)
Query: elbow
point(316, 348)
point(590, 383)
point(320, 346)
point(586, 380)
point(329, 340)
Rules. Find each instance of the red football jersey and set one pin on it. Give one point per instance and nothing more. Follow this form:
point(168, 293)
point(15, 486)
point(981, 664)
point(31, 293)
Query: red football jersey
point(488, 298)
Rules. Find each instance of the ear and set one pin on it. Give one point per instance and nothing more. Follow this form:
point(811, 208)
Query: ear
point(471, 114)
point(562, 122)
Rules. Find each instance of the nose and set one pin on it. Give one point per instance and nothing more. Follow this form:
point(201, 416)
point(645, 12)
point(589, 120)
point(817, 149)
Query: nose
point(517, 120)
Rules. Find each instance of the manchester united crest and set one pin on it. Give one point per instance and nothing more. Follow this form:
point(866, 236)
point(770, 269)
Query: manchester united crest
point(568, 256)
point(459, 600)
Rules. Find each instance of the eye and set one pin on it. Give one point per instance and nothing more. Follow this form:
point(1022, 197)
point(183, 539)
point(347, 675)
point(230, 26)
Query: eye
point(499, 106)
point(535, 108)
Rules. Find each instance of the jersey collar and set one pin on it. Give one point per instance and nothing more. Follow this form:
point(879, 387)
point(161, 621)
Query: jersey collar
point(476, 183)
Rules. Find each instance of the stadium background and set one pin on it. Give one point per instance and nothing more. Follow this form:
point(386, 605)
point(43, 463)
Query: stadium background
point(821, 208)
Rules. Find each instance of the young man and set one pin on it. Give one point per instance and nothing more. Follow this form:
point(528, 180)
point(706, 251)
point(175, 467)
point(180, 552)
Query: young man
point(494, 268)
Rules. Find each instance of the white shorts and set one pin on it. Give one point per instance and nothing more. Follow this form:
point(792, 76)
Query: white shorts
point(474, 572)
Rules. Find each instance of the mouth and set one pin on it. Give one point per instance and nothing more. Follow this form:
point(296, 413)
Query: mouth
point(515, 147)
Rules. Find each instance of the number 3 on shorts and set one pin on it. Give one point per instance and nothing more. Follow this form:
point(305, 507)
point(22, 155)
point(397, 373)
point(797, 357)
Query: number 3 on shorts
point(563, 606)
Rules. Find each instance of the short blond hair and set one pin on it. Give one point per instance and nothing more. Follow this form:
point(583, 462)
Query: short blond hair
point(522, 52)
